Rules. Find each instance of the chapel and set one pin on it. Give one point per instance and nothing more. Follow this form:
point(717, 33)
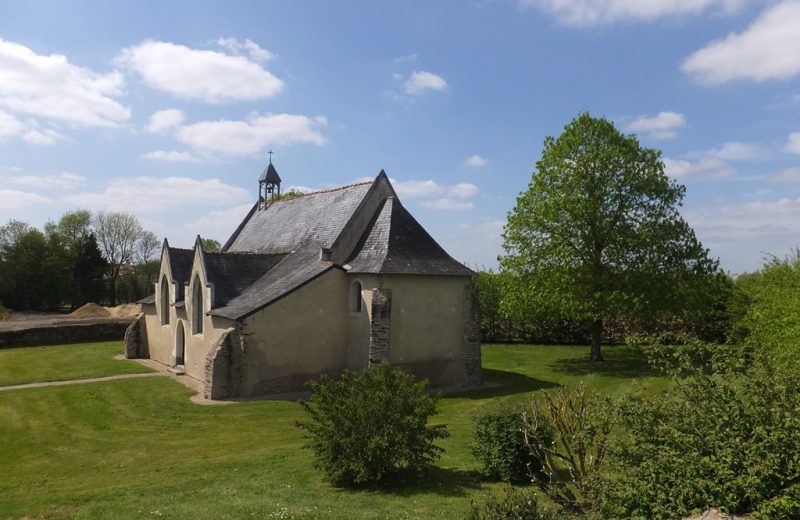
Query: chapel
point(312, 284)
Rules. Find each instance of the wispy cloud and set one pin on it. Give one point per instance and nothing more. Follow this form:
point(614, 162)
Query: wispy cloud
point(422, 81)
point(476, 161)
point(586, 13)
point(664, 125)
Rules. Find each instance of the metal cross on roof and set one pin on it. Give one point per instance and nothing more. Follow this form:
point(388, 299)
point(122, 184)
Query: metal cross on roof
point(270, 155)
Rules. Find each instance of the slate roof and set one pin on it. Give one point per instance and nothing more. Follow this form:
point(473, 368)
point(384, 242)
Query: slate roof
point(291, 272)
point(311, 221)
point(181, 262)
point(232, 273)
point(395, 243)
point(277, 249)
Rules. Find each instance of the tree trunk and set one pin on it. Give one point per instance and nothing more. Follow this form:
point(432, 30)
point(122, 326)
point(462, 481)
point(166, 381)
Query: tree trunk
point(597, 331)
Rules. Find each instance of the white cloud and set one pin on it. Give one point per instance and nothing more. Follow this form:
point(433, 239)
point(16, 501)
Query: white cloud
point(709, 166)
point(172, 156)
point(30, 131)
point(154, 194)
point(201, 75)
point(462, 190)
point(164, 120)
point(788, 175)
point(734, 151)
point(742, 233)
point(417, 189)
point(44, 137)
point(446, 204)
point(476, 161)
point(662, 126)
point(407, 58)
point(768, 49)
point(421, 81)
point(582, 13)
point(253, 134)
point(13, 199)
point(249, 47)
point(793, 143)
point(52, 88)
point(10, 125)
point(61, 180)
point(437, 196)
point(711, 163)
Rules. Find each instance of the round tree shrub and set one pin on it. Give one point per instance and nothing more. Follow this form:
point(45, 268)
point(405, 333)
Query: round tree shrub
point(499, 445)
point(366, 427)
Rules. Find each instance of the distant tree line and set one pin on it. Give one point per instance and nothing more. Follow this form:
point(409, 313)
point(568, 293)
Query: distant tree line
point(105, 258)
point(503, 319)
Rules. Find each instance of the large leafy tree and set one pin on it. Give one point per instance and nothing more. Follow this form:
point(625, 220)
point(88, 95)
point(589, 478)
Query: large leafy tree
point(598, 234)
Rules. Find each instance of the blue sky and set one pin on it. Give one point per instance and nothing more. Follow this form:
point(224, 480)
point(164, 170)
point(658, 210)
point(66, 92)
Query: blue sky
point(167, 109)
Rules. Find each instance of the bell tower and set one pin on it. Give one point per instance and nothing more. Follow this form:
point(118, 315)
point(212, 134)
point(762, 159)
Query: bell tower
point(269, 184)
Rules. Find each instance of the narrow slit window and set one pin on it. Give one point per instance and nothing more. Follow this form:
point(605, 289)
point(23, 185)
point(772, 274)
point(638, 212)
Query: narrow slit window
point(197, 306)
point(355, 297)
point(164, 301)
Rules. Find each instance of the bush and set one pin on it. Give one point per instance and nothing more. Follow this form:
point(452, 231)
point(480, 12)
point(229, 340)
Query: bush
point(499, 445)
point(727, 435)
point(784, 507)
point(365, 427)
point(511, 504)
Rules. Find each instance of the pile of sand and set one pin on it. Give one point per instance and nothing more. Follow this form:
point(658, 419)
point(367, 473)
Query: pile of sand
point(125, 310)
point(90, 310)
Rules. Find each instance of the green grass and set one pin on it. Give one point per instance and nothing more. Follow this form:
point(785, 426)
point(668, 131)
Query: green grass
point(140, 449)
point(19, 366)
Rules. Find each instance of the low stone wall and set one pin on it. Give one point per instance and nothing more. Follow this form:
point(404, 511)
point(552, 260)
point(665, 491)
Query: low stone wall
point(94, 330)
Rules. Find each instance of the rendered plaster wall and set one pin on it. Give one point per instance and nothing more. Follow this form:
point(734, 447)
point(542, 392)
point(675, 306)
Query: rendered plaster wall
point(161, 339)
point(300, 336)
point(427, 327)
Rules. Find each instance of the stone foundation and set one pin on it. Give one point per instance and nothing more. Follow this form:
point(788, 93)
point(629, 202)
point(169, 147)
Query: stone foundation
point(136, 339)
point(471, 341)
point(380, 326)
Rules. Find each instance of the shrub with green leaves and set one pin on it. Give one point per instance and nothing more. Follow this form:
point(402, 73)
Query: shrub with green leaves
point(499, 445)
point(510, 504)
point(366, 427)
point(727, 434)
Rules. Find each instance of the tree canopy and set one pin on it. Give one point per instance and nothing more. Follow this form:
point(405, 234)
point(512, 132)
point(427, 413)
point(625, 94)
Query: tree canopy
point(598, 233)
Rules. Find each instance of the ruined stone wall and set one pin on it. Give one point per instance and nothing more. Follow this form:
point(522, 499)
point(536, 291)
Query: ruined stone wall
point(224, 367)
point(380, 326)
point(136, 339)
point(105, 330)
point(471, 346)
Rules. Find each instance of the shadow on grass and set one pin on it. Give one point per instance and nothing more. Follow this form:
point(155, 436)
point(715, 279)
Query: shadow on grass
point(449, 482)
point(502, 382)
point(618, 362)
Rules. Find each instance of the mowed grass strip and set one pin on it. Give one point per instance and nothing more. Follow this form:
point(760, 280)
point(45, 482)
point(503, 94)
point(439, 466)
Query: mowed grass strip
point(141, 449)
point(23, 365)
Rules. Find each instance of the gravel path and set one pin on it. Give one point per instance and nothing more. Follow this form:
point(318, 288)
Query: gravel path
point(80, 381)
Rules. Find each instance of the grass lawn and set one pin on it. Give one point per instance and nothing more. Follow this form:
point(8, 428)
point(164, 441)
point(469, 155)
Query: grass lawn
point(22, 365)
point(139, 448)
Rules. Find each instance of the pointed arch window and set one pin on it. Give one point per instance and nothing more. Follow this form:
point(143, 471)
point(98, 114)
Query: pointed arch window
point(197, 306)
point(164, 300)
